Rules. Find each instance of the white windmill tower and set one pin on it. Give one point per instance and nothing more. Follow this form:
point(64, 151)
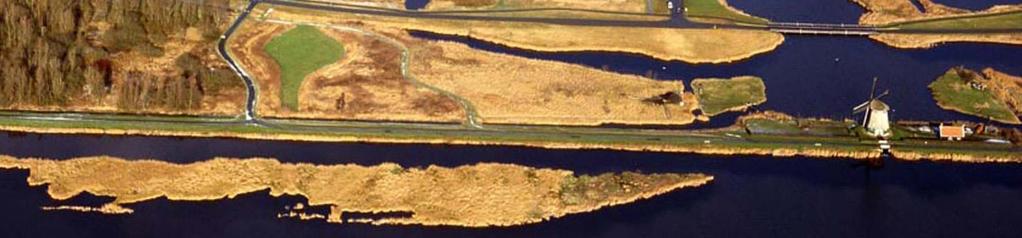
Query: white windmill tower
point(875, 119)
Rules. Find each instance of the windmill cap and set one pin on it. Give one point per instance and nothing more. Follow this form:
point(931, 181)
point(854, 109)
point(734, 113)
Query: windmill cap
point(878, 105)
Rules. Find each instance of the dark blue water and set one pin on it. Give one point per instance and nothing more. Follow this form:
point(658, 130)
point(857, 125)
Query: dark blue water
point(751, 196)
point(415, 4)
point(813, 76)
point(801, 10)
point(836, 11)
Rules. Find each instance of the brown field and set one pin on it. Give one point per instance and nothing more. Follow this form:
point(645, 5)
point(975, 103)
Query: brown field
point(606, 5)
point(689, 45)
point(881, 12)
point(931, 40)
point(514, 90)
point(396, 4)
point(1007, 88)
point(365, 84)
point(474, 195)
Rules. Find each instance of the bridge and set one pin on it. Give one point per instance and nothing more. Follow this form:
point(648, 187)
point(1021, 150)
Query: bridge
point(822, 28)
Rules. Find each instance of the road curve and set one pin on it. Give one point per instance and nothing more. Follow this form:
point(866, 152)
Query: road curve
point(221, 48)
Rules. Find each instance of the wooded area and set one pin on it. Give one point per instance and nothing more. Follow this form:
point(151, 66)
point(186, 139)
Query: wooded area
point(59, 51)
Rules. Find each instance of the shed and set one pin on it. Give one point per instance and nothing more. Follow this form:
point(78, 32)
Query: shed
point(951, 132)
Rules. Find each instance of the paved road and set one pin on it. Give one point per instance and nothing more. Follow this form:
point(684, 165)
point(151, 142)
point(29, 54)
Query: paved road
point(221, 48)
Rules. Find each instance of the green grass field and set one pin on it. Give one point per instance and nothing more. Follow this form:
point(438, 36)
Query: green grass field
point(993, 21)
point(952, 92)
point(299, 52)
point(721, 95)
point(714, 10)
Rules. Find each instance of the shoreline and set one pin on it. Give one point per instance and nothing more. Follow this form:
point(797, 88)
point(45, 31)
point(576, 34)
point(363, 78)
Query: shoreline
point(894, 15)
point(522, 192)
point(928, 41)
point(569, 38)
point(958, 110)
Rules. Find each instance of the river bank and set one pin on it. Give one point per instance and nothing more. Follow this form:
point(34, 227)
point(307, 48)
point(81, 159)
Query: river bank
point(718, 142)
point(934, 16)
point(480, 195)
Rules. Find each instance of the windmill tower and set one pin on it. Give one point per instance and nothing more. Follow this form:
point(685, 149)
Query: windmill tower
point(875, 113)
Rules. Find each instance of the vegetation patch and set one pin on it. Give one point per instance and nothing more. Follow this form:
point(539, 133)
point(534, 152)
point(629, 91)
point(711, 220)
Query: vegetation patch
point(484, 194)
point(962, 90)
point(718, 10)
point(299, 52)
point(992, 21)
point(722, 95)
point(115, 56)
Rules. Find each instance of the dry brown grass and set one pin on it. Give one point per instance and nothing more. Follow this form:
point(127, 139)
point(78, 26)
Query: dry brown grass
point(881, 12)
point(247, 47)
point(606, 5)
point(397, 4)
point(475, 195)
point(689, 45)
point(365, 84)
point(1007, 88)
point(515, 90)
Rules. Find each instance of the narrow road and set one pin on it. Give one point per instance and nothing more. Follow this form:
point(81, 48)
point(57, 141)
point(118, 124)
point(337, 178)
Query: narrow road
point(221, 48)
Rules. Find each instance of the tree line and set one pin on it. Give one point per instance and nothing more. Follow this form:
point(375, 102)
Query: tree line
point(55, 51)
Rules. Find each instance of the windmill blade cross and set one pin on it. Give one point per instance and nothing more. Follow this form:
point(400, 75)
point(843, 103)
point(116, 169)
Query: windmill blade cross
point(861, 107)
point(873, 89)
point(885, 93)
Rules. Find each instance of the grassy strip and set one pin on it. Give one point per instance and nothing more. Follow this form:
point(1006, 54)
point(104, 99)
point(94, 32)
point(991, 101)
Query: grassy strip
point(623, 140)
point(721, 95)
point(992, 21)
point(716, 10)
point(299, 52)
point(954, 93)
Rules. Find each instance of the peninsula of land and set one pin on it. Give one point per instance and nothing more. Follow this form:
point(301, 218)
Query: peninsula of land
point(478, 195)
point(991, 95)
point(903, 14)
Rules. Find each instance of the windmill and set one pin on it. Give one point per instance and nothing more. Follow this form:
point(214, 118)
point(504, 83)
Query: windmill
point(875, 119)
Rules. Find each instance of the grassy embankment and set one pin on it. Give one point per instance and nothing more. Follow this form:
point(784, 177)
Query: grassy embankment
point(717, 96)
point(820, 140)
point(1010, 20)
point(952, 92)
point(718, 10)
point(299, 52)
